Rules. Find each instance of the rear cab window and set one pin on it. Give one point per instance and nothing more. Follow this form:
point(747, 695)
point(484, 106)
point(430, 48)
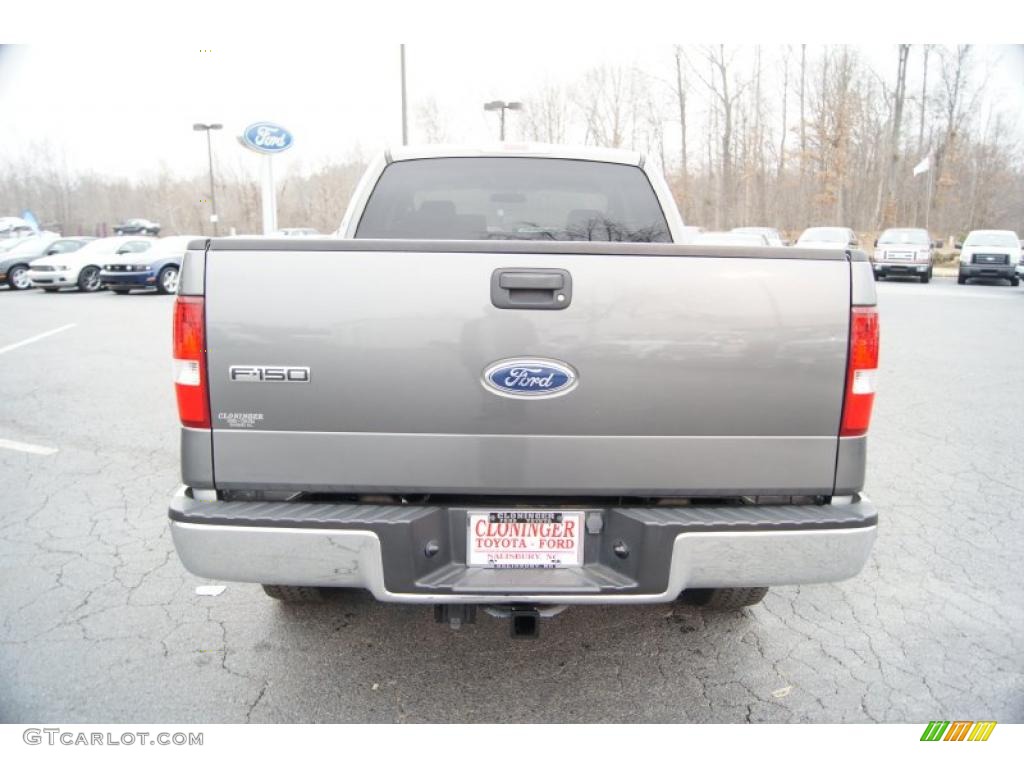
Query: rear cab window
point(513, 198)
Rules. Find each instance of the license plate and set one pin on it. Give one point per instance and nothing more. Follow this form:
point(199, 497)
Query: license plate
point(524, 539)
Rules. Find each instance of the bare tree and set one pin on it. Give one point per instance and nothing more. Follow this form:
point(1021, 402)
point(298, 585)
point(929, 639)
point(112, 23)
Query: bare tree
point(832, 131)
point(431, 122)
point(781, 165)
point(725, 90)
point(608, 98)
point(681, 89)
point(885, 204)
point(926, 50)
point(759, 159)
point(653, 129)
point(803, 116)
point(956, 100)
point(546, 115)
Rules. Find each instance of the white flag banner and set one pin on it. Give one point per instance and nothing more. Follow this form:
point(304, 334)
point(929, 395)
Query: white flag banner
point(923, 166)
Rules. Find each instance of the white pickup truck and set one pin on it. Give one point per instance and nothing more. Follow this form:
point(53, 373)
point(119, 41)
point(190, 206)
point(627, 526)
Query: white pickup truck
point(504, 384)
point(990, 254)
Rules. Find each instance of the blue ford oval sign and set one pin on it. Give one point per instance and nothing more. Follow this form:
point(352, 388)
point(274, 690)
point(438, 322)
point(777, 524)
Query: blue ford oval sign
point(269, 138)
point(529, 378)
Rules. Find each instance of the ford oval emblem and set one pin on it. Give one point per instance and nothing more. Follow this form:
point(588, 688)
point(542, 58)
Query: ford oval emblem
point(530, 378)
point(268, 138)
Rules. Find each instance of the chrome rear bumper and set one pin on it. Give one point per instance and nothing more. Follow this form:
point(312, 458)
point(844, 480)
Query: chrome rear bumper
point(705, 548)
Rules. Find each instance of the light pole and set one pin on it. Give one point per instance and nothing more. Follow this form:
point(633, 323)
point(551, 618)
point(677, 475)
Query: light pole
point(502, 106)
point(209, 156)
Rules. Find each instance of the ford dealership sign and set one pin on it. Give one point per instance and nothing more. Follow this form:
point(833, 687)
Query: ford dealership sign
point(529, 378)
point(268, 138)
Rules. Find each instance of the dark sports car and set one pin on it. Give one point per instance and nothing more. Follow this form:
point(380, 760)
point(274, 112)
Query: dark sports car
point(138, 227)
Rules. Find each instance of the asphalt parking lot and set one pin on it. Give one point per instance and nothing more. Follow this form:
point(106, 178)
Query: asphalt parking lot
point(99, 622)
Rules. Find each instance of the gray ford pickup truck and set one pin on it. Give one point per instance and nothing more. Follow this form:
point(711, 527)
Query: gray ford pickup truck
point(505, 385)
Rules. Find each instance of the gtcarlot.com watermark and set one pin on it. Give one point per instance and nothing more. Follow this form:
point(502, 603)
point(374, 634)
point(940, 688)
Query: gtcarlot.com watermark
point(55, 736)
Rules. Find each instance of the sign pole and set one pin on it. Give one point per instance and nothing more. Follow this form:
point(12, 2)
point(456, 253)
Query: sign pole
point(269, 197)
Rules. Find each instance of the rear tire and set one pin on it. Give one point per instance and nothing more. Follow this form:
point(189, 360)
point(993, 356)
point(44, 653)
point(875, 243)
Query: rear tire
point(288, 594)
point(724, 599)
point(926, 277)
point(961, 280)
point(1014, 281)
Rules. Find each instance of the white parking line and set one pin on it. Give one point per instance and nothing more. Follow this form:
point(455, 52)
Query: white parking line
point(37, 337)
point(39, 450)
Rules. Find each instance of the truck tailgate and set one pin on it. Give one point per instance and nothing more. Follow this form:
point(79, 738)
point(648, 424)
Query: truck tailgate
point(700, 372)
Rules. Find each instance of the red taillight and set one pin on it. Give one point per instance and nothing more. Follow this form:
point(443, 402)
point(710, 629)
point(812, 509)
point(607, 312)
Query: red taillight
point(861, 371)
point(190, 362)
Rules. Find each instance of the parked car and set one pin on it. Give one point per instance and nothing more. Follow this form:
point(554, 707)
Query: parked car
point(842, 238)
point(526, 421)
point(8, 243)
point(14, 227)
point(14, 263)
point(81, 268)
point(138, 227)
point(992, 253)
point(770, 233)
point(903, 253)
point(731, 238)
point(154, 269)
point(297, 232)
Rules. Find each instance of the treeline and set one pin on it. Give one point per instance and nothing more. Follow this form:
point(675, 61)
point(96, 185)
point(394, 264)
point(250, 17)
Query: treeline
point(785, 136)
point(795, 136)
point(91, 204)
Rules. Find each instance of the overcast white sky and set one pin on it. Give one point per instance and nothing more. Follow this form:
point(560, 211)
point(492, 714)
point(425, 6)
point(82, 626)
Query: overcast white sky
point(124, 109)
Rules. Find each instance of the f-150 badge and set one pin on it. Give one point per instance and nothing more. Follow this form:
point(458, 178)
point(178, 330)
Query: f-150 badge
point(267, 374)
point(530, 378)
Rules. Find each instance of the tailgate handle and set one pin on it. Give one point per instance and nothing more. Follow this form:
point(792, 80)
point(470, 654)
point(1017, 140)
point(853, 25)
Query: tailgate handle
point(531, 288)
point(531, 281)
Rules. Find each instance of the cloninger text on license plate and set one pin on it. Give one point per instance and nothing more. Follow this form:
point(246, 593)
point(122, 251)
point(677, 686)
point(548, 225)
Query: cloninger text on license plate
point(524, 539)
